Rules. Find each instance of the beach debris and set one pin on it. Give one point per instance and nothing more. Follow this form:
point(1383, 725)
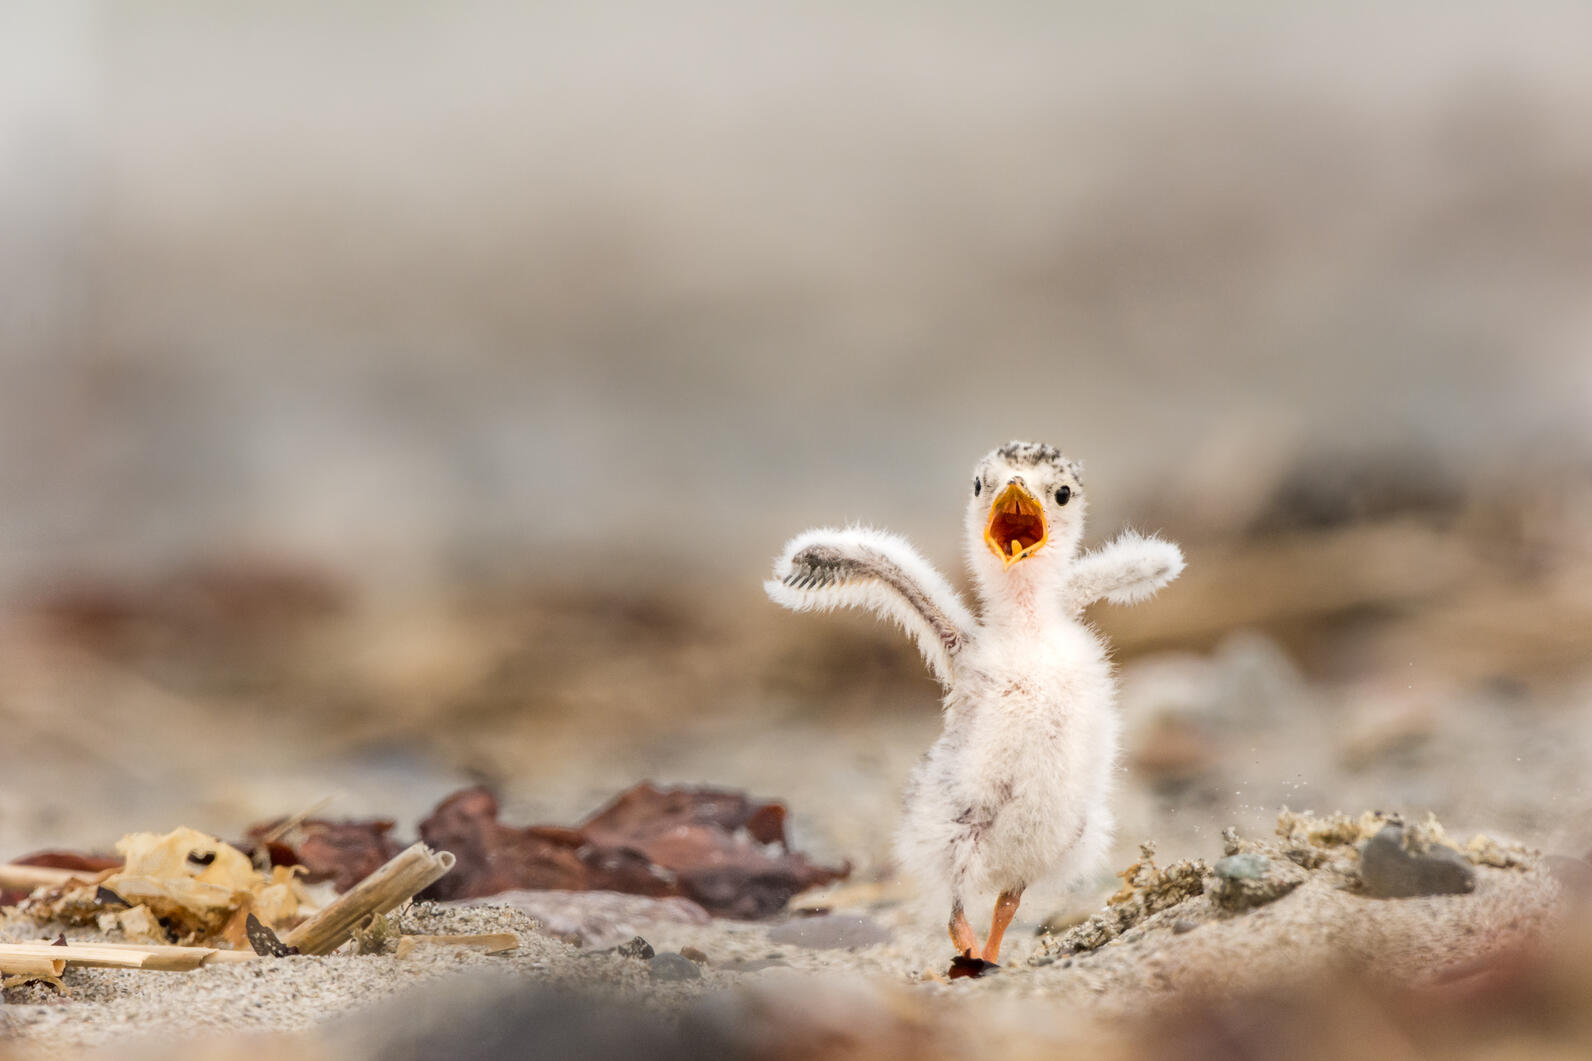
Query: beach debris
point(1376, 853)
point(395, 883)
point(599, 919)
point(1483, 850)
point(494, 857)
point(183, 886)
point(343, 852)
point(485, 942)
point(726, 851)
point(265, 942)
point(831, 932)
point(1389, 869)
point(119, 955)
point(24, 979)
point(721, 849)
point(30, 965)
point(135, 924)
point(671, 965)
point(18, 879)
point(1146, 891)
point(377, 933)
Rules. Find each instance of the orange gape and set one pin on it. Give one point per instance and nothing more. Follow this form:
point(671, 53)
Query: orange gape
point(1016, 527)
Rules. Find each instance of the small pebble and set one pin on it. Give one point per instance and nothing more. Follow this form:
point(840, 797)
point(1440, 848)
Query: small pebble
point(672, 966)
point(1390, 872)
point(1241, 867)
point(1183, 924)
point(636, 948)
point(694, 954)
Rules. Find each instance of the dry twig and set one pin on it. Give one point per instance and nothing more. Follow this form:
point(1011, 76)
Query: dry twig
point(411, 871)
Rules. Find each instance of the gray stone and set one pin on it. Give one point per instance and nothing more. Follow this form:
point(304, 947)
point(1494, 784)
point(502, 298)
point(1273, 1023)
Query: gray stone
point(1246, 881)
point(1241, 867)
point(672, 966)
point(1389, 871)
point(1183, 924)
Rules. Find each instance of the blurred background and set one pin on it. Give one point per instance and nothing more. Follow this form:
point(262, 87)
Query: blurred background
point(397, 395)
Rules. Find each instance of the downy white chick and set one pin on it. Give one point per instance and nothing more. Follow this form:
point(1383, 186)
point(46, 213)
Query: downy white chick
point(1017, 788)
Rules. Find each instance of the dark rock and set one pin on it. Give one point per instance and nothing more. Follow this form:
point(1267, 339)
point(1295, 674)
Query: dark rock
point(635, 948)
point(1183, 924)
point(1389, 871)
point(831, 932)
point(1241, 867)
point(672, 966)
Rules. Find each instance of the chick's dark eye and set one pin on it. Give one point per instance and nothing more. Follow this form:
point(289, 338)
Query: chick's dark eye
point(978, 484)
point(1064, 495)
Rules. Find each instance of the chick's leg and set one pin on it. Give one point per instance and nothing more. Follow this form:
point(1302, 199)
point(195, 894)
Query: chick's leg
point(962, 937)
point(1005, 908)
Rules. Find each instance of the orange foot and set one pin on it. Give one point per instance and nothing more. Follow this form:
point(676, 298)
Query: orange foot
point(1005, 909)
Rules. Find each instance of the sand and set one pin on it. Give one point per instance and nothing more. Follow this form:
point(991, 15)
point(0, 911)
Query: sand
point(868, 962)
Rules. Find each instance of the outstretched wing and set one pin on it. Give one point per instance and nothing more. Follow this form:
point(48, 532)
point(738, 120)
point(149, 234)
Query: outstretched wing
point(1127, 571)
point(824, 569)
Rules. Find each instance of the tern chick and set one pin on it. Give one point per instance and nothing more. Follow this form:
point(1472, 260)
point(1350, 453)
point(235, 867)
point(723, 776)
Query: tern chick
point(1017, 788)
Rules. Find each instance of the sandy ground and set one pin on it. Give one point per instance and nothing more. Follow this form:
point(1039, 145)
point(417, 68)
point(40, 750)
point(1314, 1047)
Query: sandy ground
point(864, 958)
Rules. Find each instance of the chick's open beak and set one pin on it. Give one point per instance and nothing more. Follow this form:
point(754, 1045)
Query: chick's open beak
point(1016, 526)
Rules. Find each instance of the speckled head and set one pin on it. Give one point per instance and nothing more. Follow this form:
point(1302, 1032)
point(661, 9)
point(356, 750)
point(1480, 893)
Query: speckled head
point(1027, 502)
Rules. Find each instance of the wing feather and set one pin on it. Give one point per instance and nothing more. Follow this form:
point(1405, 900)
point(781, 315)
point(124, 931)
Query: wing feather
point(1127, 571)
point(829, 568)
